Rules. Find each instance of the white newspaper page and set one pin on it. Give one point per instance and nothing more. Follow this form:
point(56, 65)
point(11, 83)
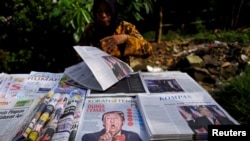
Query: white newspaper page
point(17, 85)
point(39, 83)
point(107, 69)
point(5, 82)
point(177, 114)
point(170, 82)
point(81, 74)
point(117, 116)
point(12, 114)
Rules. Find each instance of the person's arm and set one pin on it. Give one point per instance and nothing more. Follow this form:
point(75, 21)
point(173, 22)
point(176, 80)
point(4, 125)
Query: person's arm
point(126, 34)
point(136, 45)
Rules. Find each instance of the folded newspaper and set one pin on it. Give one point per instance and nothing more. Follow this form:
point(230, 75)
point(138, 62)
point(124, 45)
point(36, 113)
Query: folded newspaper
point(181, 116)
point(98, 70)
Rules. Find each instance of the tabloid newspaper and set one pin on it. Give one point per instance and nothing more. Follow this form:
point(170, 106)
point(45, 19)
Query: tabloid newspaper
point(179, 116)
point(104, 117)
point(98, 70)
point(170, 82)
point(131, 85)
point(13, 113)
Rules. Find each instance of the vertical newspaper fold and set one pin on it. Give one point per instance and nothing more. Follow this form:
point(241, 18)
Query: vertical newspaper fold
point(107, 115)
point(179, 115)
point(99, 70)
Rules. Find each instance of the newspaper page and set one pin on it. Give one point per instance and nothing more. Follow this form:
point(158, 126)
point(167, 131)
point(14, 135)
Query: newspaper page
point(68, 122)
point(106, 69)
point(170, 82)
point(45, 121)
point(39, 83)
point(6, 80)
point(16, 85)
point(131, 85)
point(13, 112)
point(116, 117)
point(180, 115)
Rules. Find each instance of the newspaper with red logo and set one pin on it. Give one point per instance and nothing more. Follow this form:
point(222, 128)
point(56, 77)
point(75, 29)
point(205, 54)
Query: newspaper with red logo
point(111, 117)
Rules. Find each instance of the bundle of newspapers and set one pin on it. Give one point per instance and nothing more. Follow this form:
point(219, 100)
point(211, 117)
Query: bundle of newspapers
point(181, 116)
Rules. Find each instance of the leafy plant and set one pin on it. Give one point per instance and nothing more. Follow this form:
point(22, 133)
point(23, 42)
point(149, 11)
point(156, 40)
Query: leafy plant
point(234, 95)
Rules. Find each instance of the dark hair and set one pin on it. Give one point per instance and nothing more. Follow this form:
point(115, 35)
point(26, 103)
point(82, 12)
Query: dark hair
point(117, 112)
point(113, 7)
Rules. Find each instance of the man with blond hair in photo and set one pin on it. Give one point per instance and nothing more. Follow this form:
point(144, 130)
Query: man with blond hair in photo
point(112, 123)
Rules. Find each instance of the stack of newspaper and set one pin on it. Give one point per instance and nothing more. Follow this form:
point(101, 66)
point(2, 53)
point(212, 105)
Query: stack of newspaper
point(55, 117)
point(181, 116)
point(13, 113)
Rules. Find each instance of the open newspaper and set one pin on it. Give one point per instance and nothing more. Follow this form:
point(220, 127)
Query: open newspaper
point(13, 113)
point(131, 85)
point(105, 117)
point(170, 82)
point(98, 70)
point(180, 116)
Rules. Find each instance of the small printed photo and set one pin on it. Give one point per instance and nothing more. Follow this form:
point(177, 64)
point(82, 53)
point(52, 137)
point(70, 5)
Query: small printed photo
point(199, 117)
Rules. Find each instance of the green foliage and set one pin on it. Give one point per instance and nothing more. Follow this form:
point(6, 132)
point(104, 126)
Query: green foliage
point(73, 14)
point(76, 14)
point(234, 95)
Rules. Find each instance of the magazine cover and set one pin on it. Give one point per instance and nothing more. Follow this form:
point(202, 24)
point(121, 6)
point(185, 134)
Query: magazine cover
point(111, 118)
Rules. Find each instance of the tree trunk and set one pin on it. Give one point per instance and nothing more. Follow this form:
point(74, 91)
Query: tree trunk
point(159, 27)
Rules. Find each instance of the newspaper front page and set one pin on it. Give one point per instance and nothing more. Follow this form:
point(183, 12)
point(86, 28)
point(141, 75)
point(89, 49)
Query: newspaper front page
point(177, 114)
point(13, 113)
point(170, 82)
point(107, 115)
point(11, 84)
point(100, 66)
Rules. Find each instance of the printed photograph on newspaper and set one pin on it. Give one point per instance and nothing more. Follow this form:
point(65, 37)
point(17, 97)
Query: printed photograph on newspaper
point(114, 118)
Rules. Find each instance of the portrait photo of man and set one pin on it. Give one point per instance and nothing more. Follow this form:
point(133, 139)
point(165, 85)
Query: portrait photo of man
point(204, 115)
point(113, 122)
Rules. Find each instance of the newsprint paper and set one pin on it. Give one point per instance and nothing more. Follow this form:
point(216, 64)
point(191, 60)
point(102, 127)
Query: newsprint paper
point(13, 113)
point(131, 85)
point(170, 82)
point(179, 116)
point(103, 117)
point(99, 70)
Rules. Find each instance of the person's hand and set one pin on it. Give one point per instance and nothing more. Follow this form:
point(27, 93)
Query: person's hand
point(109, 44)
point(115, 40)
point(107, 136)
